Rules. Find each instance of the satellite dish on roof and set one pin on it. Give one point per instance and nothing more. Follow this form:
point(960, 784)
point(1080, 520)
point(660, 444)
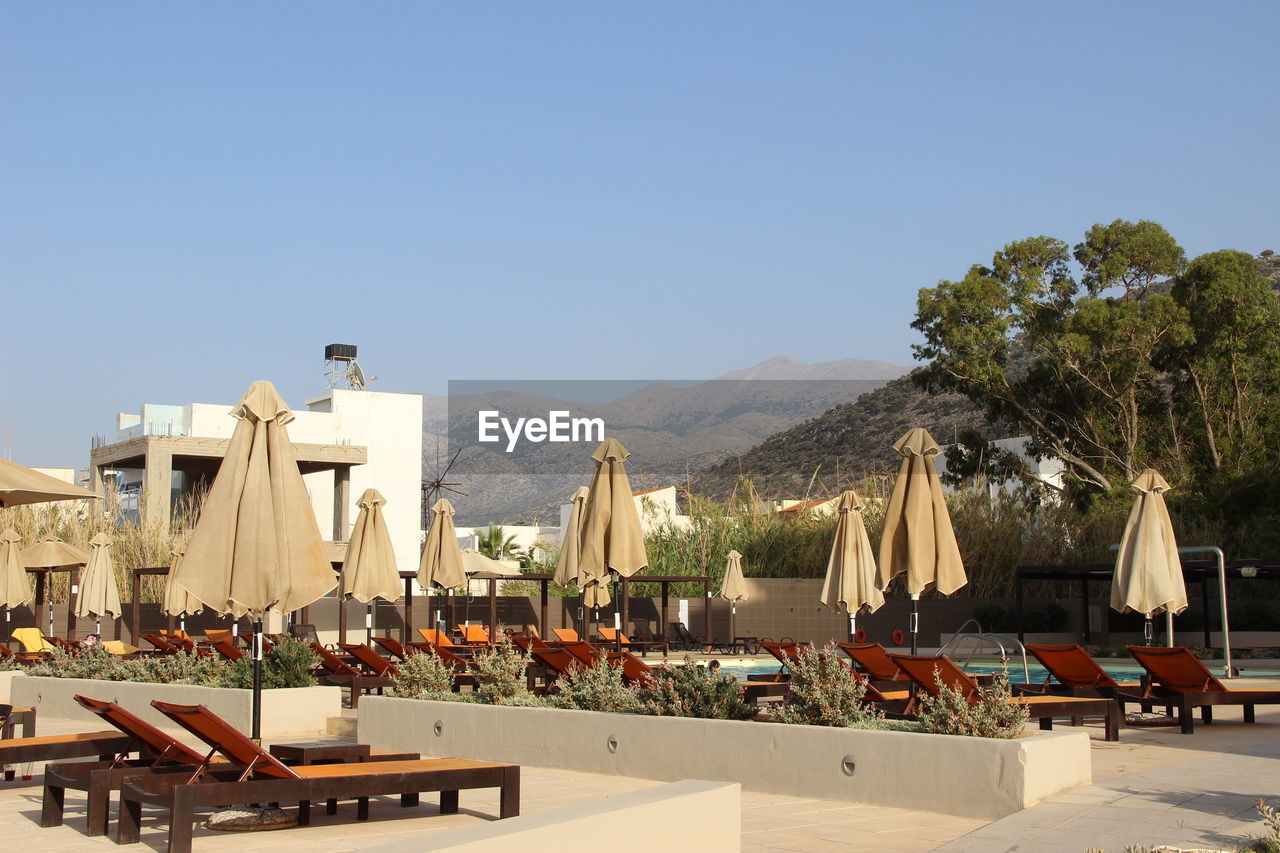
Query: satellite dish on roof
point(358, 380)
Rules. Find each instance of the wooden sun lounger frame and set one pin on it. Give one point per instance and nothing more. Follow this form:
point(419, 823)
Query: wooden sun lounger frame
point(1186, 701)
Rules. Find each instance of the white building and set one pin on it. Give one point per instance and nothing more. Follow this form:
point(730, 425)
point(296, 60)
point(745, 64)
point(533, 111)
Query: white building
point(346, 441)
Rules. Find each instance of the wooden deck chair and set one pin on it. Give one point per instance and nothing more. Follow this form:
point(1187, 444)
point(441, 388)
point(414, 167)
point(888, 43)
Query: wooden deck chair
point(376, 663)
point(33, 640)
point(1179, 676)
point(99, 778)
point(161, 644)
point(612, 637)
point(264, 779)
point(529, 642)
point(226, 650)
point(395, 648)
point(473, 635)
point(586, 653)
point(785, 653)
point(28, 750)
point(1076, 673)
point(220, 635)
point(930, 671)
point(566, 635)
point(873, 661)
point(436, 637)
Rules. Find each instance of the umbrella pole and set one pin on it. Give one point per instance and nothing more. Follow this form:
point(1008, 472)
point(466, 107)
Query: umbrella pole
point(257, 680)
point(1148, 632)
point(733, 615)
point(915, 622)
point(368, 623)
point(1168, 627)
point(853, 627)
point(617, 618)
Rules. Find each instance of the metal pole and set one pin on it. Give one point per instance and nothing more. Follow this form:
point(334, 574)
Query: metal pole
point(368, 622)
point(915, 622)
point(257, 680)
point(1228, 670)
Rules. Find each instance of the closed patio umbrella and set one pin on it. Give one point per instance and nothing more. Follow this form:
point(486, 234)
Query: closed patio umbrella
point(177, 601)
point(369, 570)
point(1148, 576)
point(98, 594)
point(851, 570)
point(569, 563)
point(918, 539)
point(53, 553)
point(733, 589)
point(441, 562)
point(22, 485)
point(256, 546)
point(15, 586)
point(612, 539)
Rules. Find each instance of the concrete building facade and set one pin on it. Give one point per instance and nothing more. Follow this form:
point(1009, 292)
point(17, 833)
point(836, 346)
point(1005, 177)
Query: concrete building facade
point(346, 441)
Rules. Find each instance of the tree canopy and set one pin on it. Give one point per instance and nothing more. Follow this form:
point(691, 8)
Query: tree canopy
point(1115, 355)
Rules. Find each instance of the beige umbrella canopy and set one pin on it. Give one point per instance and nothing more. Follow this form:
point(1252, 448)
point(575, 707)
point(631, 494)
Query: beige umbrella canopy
point(369, 570)
point(177, 601)
point(571, 544)
point(1148, 576)
point(477, 565)
point(733, 589)
point(98, 594)
point(15, 584)
point(612, 539)
point(441, 557)
point(22, 485)
point(918, 540)
point(256, 546)
point(52, 553)
point(851, 570)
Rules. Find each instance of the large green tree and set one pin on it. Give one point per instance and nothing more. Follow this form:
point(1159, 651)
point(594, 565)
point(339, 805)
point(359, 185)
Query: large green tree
point(1064, 351)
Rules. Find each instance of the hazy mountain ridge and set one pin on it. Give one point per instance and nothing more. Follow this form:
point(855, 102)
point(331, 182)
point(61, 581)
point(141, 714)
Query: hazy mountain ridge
point(671, 430)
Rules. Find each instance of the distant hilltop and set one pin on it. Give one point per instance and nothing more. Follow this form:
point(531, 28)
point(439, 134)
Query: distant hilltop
point(788, 367)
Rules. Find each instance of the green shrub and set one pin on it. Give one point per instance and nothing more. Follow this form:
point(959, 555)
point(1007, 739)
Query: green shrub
point(825, 692)
point(993, 715)
point(92, 662)
point(288, 664)
point(596, 688)
point(693, 691)
point(181, 668)
point(421, 674)
point(500, 673)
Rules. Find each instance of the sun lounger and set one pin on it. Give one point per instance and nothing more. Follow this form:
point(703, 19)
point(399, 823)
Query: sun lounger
point(220, 635)
point(99, 778)
point(334, 670)
point(688, 641)
point(613, 637)
point(474, 635)
point(566, 635)
point(929, 671)
point(376, 663)
point(395, 648)
point(33, 641)
point(586, 653)
point(226, 650)
point(1075, 672)
point(874, 662)
point(438, 638)
point(786, 653)
point(1179, 678)
point(265, 779)
point(162, 645)
point(529, 642)
point(27, 750)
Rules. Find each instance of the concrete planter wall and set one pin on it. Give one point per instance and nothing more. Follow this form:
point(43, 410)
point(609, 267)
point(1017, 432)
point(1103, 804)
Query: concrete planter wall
point(6, 678)
point(298, 710)
point(953, 775)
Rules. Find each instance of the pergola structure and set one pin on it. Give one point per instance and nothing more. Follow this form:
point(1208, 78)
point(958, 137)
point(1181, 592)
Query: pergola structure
point(158, 456)
point(1200, 572)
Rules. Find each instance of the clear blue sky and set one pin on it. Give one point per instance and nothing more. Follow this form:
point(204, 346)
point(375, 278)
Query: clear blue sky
point(196, 195)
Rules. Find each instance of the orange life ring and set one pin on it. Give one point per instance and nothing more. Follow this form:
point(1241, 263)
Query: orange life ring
point(859, 636)
point(899, 638)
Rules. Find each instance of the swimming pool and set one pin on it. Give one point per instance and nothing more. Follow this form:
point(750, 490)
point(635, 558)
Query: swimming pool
point(1120, 670)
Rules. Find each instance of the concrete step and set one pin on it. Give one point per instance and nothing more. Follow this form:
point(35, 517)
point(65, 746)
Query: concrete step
point(343, 725)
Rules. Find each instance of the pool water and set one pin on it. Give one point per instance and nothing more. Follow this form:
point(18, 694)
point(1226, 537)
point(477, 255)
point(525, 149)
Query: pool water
point(743, 668)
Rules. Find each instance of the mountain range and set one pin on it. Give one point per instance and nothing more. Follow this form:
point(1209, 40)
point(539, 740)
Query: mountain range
point(671, 430)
